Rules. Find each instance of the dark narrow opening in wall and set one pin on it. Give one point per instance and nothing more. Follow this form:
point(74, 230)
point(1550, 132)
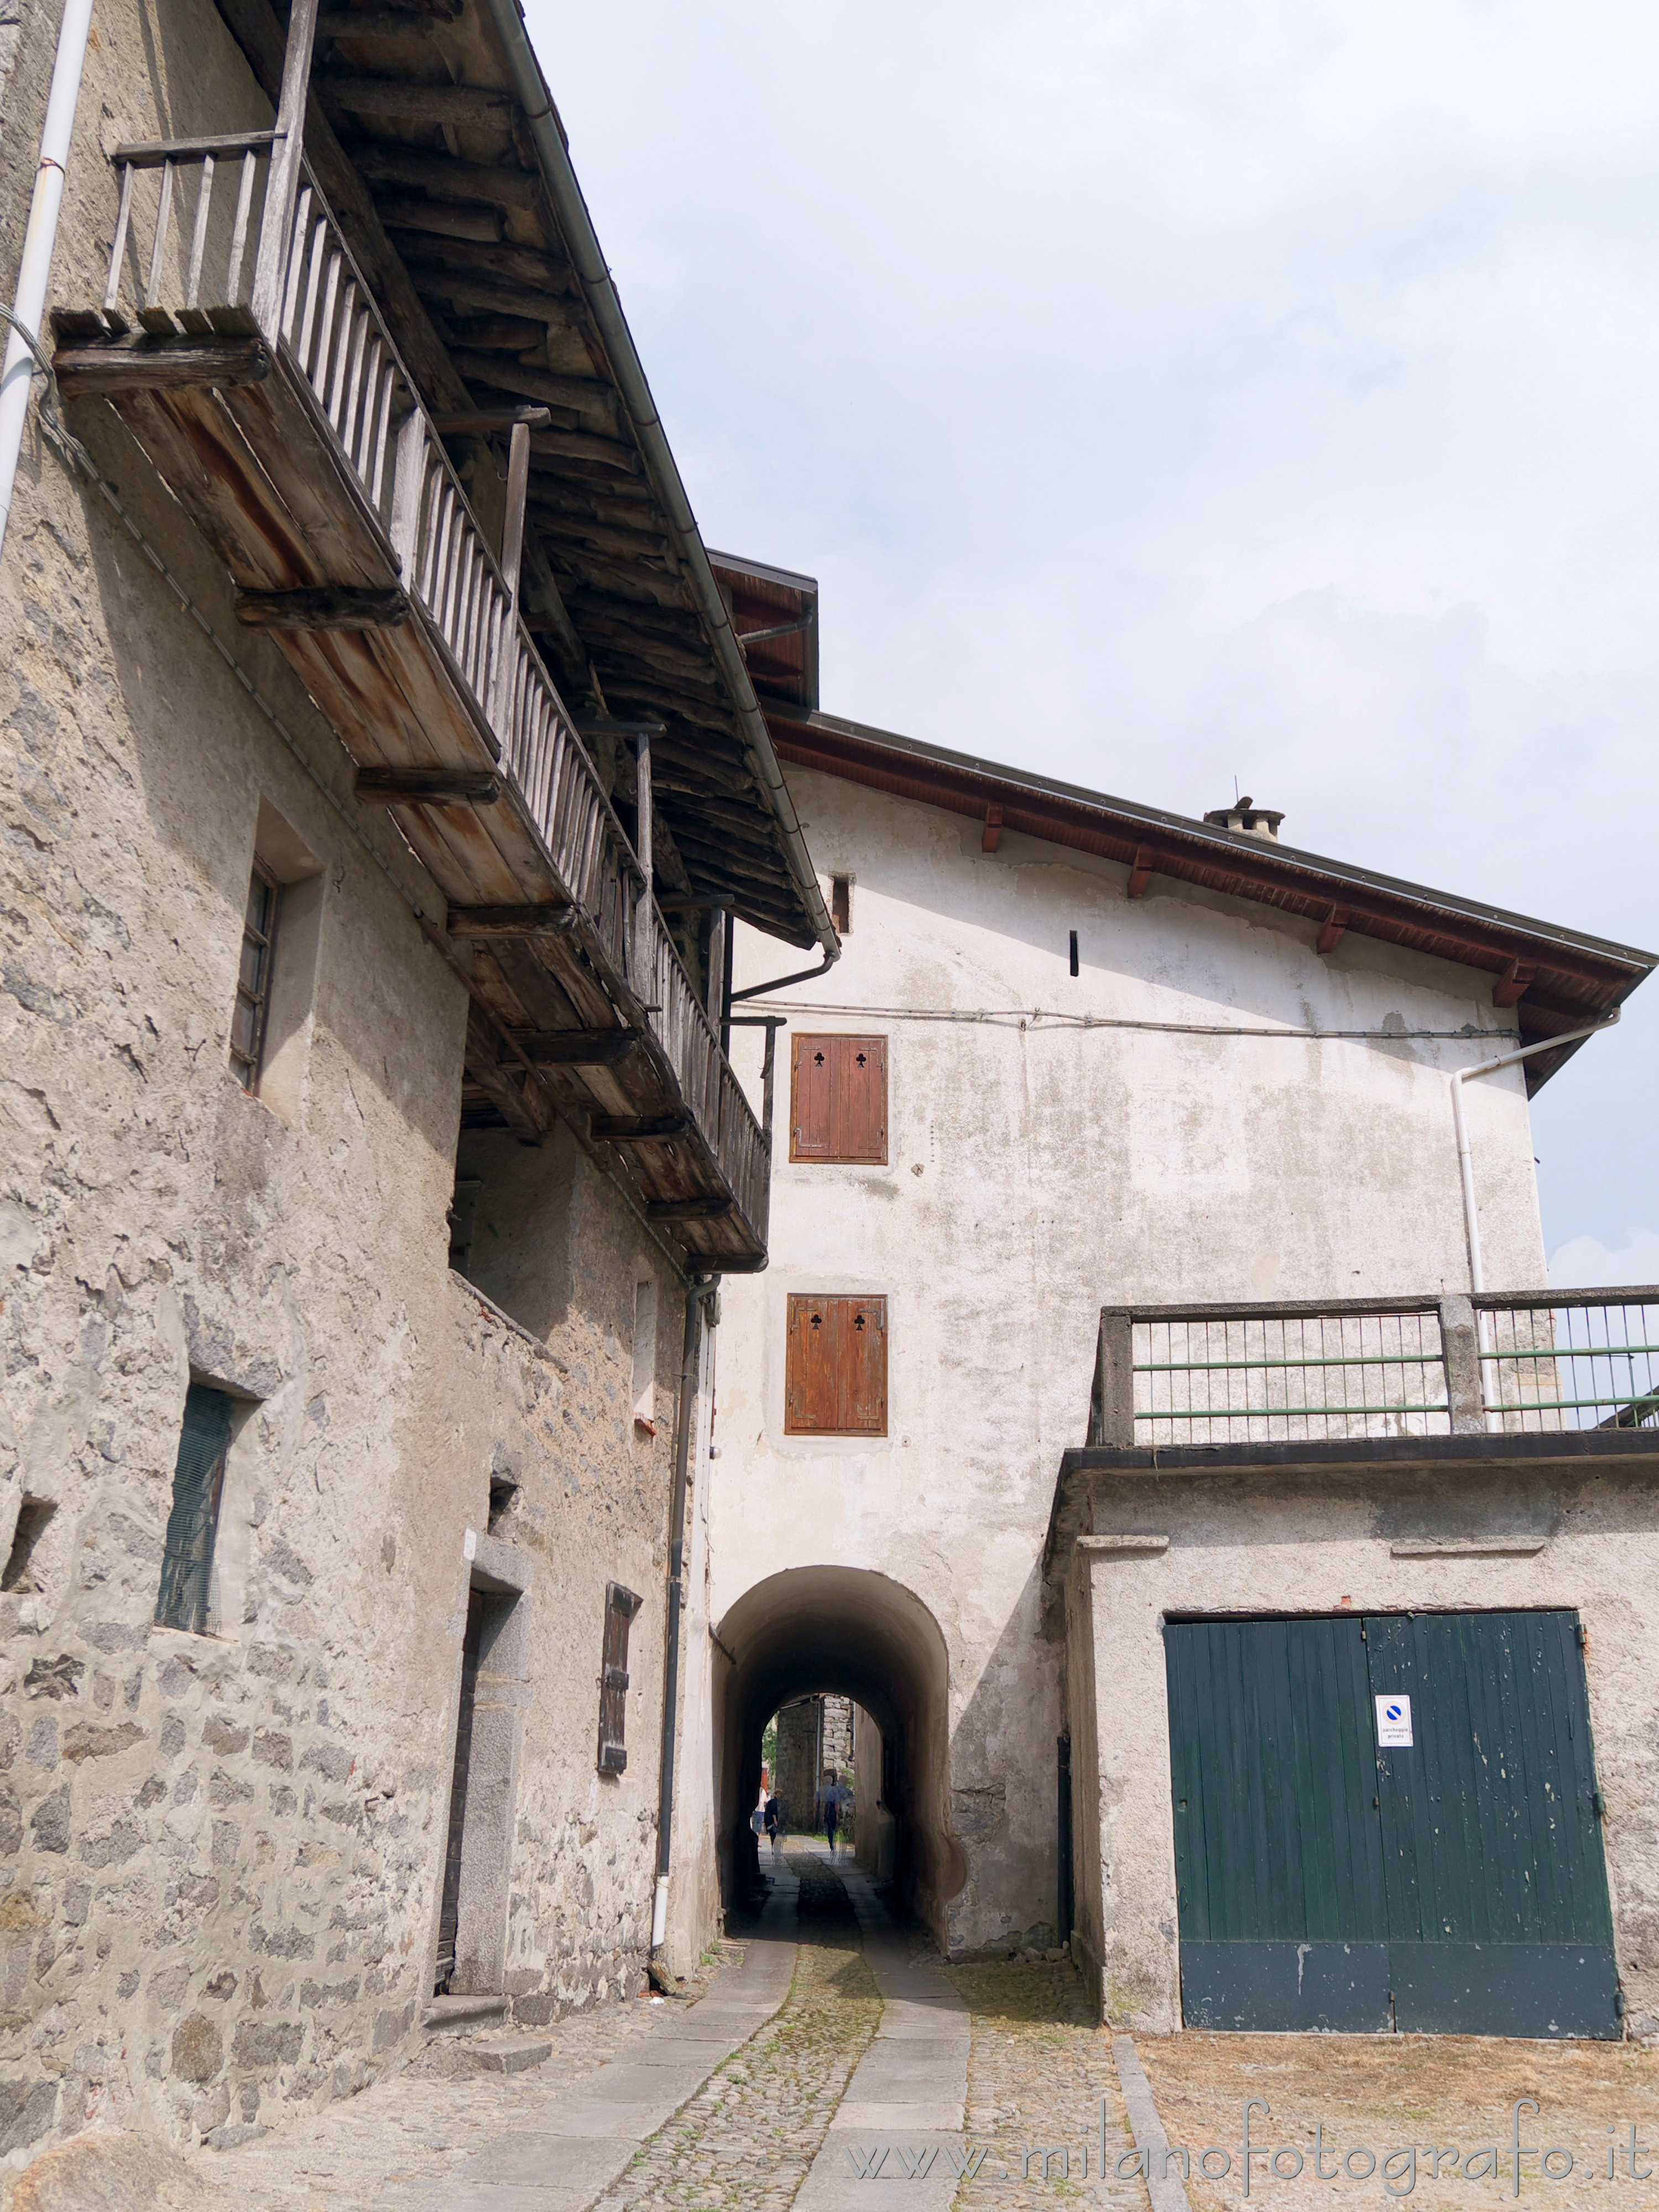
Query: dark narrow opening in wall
point(472, 1911)
point(449, 1912)
point(1074, 952)
point(198, 1478)
point(509, 1223)
point(33, 1515)
point(502, 1491)
point(840, 905)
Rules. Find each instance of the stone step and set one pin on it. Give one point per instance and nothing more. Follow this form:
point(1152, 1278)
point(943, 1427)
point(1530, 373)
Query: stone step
point(444, 2015)
point(508, 2054)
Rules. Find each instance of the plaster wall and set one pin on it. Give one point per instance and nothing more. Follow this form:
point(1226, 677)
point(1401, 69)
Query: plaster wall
point(1039, 1169)
point(221, 1855)
point(1307, 1543)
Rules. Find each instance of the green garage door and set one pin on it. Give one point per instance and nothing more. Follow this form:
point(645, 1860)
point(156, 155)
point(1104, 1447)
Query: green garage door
point(1389, 1822)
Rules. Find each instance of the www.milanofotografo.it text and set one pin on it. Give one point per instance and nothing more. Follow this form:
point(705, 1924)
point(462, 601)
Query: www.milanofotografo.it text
point(1250, 2161)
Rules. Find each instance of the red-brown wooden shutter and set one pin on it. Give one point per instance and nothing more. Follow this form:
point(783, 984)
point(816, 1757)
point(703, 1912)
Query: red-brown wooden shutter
point(838, 1099)
point(620, 1607)
point(836, 1367)
point(858, 1125)
point(811, 1090)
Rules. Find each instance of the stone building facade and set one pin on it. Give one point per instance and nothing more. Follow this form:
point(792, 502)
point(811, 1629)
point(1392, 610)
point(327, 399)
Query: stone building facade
point(439, 1316)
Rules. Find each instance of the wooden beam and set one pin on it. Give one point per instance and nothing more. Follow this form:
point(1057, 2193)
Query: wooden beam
point(578, 1048)
point(488, 419)
point(517, 477)
point(1140, 872)
point(437, 173)
point(508, 920)
point(324, 606)
point(411, 102)
point(990, 835)
point(1514, 983)
point(649, 1129)
point(687, 1209)
point(1333, 929)
point(89, 372)
point(426, 787)
point(440, 219)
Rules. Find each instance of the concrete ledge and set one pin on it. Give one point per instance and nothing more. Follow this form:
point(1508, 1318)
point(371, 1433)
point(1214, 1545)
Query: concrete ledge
point(1638, 1448)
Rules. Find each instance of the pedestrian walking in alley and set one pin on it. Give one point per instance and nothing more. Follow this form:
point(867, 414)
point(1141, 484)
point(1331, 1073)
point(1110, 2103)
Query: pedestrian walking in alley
point(773, 1822)
point(833, 1797)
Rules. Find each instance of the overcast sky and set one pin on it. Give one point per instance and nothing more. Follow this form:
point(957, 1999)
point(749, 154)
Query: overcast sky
point(1165, 393)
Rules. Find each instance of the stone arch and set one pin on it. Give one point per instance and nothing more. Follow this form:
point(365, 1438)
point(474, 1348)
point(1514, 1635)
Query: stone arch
point(857, 1634)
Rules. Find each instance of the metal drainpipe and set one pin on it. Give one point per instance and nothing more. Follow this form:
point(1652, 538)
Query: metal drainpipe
point(600, 294)
point(1466, 1173)
point(696, 1297)
point(34, 270)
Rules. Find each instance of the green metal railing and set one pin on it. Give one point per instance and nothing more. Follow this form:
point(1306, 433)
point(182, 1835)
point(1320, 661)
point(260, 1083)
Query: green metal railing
point(1523, 1364)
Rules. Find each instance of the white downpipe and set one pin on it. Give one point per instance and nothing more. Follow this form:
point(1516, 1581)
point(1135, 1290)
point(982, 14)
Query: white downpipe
point(35, 270)
point(659, 1913)
point(1466, 1173)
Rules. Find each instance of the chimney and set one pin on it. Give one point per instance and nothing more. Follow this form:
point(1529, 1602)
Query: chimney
point(1244, 814)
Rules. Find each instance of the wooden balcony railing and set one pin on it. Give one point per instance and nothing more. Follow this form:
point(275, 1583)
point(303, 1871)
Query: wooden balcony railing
point(1525, 1364)
point(207, 246)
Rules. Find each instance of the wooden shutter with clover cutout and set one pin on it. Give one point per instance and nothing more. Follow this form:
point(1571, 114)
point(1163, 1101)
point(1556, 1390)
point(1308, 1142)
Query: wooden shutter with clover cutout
point(836, 1367)
point(838, 1099)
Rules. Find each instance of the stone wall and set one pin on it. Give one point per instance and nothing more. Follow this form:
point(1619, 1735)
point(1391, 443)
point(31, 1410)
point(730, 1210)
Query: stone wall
point(221, 1854)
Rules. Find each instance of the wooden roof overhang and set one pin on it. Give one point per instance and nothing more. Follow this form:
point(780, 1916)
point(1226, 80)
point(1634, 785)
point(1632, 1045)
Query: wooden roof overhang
point(484, 265)
point(1557, 980)
point(775, 615)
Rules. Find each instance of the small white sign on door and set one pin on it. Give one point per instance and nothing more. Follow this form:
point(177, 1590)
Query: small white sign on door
point(1393, 1723)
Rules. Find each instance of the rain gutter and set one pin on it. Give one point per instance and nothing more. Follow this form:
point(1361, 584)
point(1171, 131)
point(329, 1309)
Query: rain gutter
point(606, 307)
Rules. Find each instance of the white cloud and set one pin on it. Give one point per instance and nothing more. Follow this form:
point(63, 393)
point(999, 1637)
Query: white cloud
point(1583, 1263)
point(1164, 391)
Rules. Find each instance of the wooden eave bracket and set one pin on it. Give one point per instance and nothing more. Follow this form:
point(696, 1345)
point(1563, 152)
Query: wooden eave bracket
point(1140, 872)
point(428, 786)
point(163, 364)
point(991, 837)
point(577, 1047)
point(1513, 984)
point(324, 606)
point(1333, 928)
point(545, 920)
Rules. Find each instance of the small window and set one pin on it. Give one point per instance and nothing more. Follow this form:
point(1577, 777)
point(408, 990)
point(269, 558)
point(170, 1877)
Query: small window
point(836, 1367)
point(645, 1356)
point(840, 905)
point(620, 1607)
point(838, 1099)
point(33, 1517)
point(198, 1479)
point(247, 1020)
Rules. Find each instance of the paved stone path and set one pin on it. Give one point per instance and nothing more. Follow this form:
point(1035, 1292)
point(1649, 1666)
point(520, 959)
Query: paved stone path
point(838, 2034)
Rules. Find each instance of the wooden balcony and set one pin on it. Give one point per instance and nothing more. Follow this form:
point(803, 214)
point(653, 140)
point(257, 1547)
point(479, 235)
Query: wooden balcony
point(240, 345)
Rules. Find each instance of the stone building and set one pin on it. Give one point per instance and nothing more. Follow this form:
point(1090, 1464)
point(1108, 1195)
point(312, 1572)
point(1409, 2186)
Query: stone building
point(815, 1739)
point(1080, 1055)
point(383, 778)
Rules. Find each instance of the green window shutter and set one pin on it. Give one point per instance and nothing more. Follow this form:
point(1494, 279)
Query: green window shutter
point(197, 1478)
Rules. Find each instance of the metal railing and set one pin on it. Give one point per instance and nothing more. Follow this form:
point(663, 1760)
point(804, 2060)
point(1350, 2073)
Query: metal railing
point(1523, 1364)
point(1582, 1360)
point(199, 274)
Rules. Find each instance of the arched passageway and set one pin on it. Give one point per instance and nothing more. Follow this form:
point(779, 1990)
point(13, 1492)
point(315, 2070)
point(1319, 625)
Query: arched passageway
point(854, 1634)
